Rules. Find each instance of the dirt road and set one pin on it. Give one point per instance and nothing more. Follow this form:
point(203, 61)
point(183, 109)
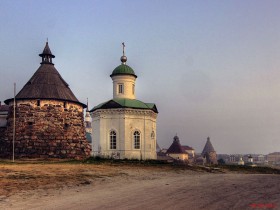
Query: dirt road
point(149, 188)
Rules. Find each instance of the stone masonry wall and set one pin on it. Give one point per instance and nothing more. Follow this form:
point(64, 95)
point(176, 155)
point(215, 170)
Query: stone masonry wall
point(46, 129)
point(5, 146)
point(211, 158)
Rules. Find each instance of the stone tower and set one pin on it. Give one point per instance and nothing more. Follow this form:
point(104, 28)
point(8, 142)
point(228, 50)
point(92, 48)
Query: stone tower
point(49, 118)
point(209, 153)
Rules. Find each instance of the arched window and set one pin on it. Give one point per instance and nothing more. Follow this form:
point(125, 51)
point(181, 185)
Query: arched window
point(136, 140)
point(113, 140)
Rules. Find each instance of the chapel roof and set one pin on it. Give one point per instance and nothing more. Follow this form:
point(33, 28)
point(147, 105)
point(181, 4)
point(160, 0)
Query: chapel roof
point(175, 147)
point(123, 69)
point(46, 83)
point(125, 103)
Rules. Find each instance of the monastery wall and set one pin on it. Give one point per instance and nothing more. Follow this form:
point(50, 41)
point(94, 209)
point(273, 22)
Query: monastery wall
point(46, 129)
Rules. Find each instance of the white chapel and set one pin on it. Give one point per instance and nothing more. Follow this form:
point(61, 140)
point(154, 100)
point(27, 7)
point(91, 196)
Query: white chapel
point(124, 127)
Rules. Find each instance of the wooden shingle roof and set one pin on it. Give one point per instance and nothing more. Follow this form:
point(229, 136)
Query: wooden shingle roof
point(46, 83)
point(208, 147)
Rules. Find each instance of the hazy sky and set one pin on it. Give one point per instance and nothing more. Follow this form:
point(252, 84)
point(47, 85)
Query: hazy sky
point(211, 67)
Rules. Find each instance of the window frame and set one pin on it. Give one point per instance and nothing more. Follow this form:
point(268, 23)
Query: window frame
point(120, 88)
point(113, 140)
point(137, 140)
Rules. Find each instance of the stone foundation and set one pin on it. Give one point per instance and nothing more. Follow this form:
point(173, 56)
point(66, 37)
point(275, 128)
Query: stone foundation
point(45, 129)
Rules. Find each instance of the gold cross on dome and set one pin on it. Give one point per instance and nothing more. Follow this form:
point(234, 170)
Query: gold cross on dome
point(123, 48)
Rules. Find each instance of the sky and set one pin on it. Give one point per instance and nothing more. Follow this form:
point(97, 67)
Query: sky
point(211, 67)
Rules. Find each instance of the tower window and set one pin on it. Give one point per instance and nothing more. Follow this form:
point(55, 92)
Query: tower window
point(38, 102)
point(133, 88)
point(64, 104)
point(136, 136)
point(113, 140)
point(121, 88)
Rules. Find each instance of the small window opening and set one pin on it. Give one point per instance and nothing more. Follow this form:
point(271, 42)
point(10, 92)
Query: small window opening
point(133, 89)
point(30, 124)
point(66, 126)
point(64, 104)
point(121, 89)
point(38, 102)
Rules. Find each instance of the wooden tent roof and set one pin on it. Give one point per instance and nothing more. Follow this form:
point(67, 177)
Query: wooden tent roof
point(208, 147)
point(46, 83)
point(175, 147)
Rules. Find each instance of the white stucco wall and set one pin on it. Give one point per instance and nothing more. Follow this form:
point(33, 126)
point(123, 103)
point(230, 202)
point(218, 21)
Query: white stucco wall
point(124, 122)
point(179, 156)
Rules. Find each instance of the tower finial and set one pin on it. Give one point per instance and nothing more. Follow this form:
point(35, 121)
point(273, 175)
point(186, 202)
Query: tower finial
point(47, 55)
point(87, 104)
point(123, 58)
point(123, 48)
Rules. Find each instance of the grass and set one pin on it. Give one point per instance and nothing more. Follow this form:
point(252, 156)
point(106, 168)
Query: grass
point(154, 163)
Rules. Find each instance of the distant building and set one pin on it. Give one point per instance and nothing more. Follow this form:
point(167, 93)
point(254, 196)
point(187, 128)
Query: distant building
point(250, 159)
point(176, 151)
point(49, 118)
point(209, 153)
point(240, 162)
point(4, 110)
point(273, 158)
point(189, 150)
point(225, 157)
point(232, 159)
point(88, 126)
point(260, 159)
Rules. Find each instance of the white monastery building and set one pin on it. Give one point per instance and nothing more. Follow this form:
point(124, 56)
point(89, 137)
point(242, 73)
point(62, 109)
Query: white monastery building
point(124, 127)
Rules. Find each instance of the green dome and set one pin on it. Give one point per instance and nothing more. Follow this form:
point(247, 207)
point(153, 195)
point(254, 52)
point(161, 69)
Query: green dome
point(123, 69)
